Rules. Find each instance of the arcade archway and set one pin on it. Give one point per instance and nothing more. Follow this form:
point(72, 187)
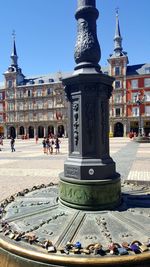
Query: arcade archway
point(21, 130)
point(60, 130)
point(31, 132)
point(40, 131)
point(118, 129)
point(12, 132)
point(50, 130)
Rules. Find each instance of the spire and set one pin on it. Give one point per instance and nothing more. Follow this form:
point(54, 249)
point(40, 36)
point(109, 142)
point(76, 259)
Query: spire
point(117, 38)
point(14, 56)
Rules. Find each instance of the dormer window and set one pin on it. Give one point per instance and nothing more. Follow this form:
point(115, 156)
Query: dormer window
point(147, 70)
point(41, 81)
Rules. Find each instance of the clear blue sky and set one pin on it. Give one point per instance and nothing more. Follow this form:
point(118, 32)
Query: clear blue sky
point(46, 32)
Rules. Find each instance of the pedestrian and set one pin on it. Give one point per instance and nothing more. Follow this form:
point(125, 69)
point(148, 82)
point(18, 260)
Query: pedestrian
point(1, 143)
point(36, 139)
point(57, 145)
point(12, 143)
point(44, 145)
point(47, 145)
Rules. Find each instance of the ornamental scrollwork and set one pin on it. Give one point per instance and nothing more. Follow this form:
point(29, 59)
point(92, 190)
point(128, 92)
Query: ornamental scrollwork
point(76, 122)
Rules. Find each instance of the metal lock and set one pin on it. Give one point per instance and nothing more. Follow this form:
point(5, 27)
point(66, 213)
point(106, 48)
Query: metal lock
point(122, 251)
point(125, 245)
point(11, 235)
point(112, 248)
point(143, 248)
point(135, 247)
point(77, 245)
point(51, 249)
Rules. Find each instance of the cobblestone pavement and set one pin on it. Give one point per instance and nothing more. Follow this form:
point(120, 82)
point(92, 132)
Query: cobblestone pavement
point(29, 166)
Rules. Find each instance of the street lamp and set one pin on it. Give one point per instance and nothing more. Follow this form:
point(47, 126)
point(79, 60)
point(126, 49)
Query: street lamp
point(139, 99)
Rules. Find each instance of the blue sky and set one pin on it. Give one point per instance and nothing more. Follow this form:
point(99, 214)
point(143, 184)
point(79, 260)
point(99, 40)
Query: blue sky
point(46, 32)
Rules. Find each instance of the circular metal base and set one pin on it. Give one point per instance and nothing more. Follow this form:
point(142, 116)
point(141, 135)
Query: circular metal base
point(90, 194)
point(35, 229)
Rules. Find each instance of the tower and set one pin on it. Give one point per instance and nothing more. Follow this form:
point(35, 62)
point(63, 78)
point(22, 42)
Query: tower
point(13, 75)
point(117, 68)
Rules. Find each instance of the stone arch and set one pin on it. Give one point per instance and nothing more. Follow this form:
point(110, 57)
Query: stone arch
point(21, 130)
point(118, 130)
point(12, 132)
point(50, 130)
point(40, 131)
point(1, 131)
point(31, 132)
point(60, 131)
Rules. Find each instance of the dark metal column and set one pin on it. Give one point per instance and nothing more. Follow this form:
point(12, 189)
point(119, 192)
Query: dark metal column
point(89, 180)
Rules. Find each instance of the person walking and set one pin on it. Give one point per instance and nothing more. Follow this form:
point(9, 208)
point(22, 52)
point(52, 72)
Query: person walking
point(1, 143)
point(12, 143)
point(44, 145)
point(57, 145)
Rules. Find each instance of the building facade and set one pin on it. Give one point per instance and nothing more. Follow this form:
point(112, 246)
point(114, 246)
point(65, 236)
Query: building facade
point(32, 106)
point(130, 101)
point(36, 106)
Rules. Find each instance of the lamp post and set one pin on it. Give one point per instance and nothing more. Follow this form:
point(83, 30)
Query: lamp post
point(139, 99)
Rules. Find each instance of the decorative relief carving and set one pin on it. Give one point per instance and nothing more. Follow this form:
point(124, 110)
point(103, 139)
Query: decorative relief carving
point(87, 47)
point(90, 117)
point(75, 109)
point(103, 122)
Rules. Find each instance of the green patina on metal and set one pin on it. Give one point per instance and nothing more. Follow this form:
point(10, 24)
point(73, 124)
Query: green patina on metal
point(96, 195)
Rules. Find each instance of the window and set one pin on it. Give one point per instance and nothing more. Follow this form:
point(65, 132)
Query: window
point(117, 98)
point(147, 82)
point(1, 118)
point(135, 111)
point(147, 96)
point(147, 110)
point(117, 112)
point(20, 117)
point(134, 97)
point(1, 96)
point(20, 106)
point(11, 106)
point(134, 84)
point(40, 104)
point(147, 70)
point(30, 116)
point(9, 83)
point(50, 103)
point(50, 115)
point(1, 107)
point(117, 71)
point(49, 91)
point(117, 84)
point(39, 92)
point(30, 105)
point(29, 93)
point(40, 115)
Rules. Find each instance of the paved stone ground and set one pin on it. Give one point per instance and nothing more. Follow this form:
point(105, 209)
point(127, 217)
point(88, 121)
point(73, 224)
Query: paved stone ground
point(29, 166)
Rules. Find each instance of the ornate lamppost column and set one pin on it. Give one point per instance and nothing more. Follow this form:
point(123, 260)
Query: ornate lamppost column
point(89, 180)
point(139, 99)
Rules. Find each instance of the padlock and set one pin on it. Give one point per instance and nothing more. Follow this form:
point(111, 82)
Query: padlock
point(125, 245)
point(120, 250)
point(51, 249)
point(77, 245)
point(135, 247)
point(98, 249)
point(141, 246)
